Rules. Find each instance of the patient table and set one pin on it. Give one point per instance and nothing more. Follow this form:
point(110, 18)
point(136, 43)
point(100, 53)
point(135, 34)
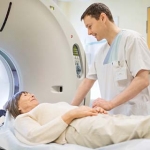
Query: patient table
point(9, 142)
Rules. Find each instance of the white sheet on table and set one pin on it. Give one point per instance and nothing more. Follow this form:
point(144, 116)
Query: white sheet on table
point(138, 144)
point(9, 142)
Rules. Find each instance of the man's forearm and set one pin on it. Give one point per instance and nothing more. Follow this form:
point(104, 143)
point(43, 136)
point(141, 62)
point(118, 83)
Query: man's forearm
point(136, 86)
point(82, 90)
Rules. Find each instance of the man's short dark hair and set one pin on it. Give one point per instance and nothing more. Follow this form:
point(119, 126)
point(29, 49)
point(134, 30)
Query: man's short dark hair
point(94, 10)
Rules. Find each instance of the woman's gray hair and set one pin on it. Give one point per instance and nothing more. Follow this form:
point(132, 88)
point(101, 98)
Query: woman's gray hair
point(12, 104)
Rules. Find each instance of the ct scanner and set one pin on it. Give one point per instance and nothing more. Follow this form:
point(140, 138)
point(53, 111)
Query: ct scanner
point(43, 55)
point(41, 50)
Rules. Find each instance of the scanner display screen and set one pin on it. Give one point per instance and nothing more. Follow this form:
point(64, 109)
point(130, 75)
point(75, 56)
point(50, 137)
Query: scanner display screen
point(75, 51)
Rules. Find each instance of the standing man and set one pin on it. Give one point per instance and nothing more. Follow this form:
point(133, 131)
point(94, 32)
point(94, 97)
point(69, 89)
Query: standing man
point(121, 66)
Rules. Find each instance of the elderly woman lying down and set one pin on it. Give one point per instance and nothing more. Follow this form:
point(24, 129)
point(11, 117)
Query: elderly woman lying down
point(63, 123)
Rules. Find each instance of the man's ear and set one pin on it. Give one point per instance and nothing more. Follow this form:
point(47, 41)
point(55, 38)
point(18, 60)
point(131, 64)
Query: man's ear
point(103, 17)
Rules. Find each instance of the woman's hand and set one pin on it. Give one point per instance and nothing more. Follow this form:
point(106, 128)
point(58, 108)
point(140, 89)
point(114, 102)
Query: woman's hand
point(100, 110)
point(84, 111)
point(80, 112)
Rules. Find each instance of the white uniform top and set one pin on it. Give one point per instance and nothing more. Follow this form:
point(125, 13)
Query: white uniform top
point(115, 67)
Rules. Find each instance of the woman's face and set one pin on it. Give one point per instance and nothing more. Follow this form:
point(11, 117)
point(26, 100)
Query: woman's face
point(27, 102)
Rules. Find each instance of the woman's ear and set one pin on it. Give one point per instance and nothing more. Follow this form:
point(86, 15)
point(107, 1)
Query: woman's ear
point(19, 108)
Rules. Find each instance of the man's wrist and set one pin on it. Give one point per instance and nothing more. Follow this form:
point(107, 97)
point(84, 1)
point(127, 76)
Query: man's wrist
point(112, 104)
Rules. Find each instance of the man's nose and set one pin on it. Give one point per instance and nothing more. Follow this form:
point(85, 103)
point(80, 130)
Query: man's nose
point(89, 32)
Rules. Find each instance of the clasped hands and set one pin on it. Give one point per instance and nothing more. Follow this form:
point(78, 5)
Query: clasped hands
point(80, 112)
point(99, 106)
point(84, 111)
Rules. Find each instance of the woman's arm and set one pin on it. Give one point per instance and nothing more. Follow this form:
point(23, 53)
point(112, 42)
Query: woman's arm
point(80, 112)
point(30, 130)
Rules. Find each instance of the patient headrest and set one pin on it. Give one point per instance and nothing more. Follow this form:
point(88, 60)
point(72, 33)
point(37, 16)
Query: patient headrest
point(8, 121)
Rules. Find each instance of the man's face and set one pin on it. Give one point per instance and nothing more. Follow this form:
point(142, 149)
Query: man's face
point(27, 102)
point(95, 27)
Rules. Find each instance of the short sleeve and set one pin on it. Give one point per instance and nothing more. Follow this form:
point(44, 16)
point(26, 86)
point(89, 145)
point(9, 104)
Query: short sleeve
point(137, 54)
point(92, 72)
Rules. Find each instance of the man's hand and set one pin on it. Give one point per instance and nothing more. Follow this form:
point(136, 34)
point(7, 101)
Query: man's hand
point(106, 105)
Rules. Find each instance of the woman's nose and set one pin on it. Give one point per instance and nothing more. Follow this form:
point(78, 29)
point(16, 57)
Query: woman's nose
point(32, 95)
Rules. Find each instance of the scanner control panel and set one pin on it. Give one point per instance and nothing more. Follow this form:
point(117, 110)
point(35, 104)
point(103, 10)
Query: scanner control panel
point(77, 60)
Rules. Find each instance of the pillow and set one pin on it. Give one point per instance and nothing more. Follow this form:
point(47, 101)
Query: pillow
point(2, 116)
point(8, 121)
point(2, 120)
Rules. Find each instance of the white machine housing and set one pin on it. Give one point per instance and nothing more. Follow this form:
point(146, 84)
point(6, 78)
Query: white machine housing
point(42, 49)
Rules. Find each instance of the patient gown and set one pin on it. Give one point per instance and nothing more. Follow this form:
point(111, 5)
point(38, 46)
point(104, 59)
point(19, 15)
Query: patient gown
point(44, 124)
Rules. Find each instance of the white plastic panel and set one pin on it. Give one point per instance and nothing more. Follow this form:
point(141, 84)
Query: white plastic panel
point(41, 45)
